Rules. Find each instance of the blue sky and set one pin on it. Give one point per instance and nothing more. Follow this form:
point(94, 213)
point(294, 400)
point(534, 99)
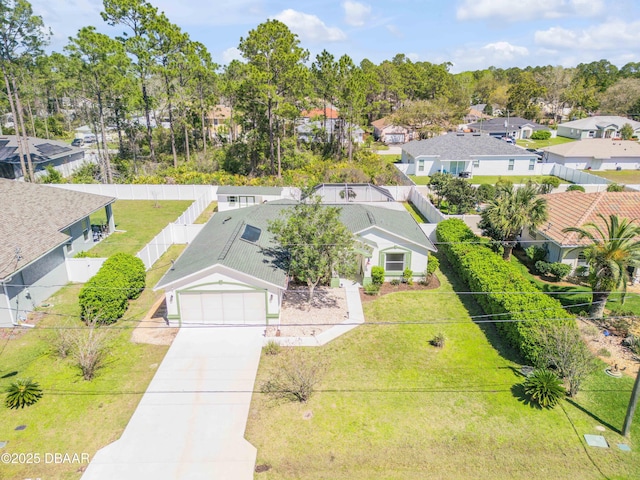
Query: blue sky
point(471, 34)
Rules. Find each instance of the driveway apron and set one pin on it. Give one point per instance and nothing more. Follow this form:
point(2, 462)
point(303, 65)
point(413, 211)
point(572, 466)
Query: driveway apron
point(190, 422)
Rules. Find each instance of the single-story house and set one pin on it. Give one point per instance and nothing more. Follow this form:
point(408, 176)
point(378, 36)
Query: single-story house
point(475, 153)
point(230, 198)
point(596, 127)
point(514, 127)
point(596, 154)
point(314, 130)
point(232, 272)
point(40, 227)
point(385, 131)
point(575, 209)
point(62, 156)
point(351, 192)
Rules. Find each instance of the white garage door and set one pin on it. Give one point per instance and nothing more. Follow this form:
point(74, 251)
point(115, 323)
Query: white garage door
point(231, 308)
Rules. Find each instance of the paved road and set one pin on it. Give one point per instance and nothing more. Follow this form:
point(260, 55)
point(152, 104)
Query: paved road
point(190, 423)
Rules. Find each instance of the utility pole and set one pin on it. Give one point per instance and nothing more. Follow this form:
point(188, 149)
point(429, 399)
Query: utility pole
point(633, 401)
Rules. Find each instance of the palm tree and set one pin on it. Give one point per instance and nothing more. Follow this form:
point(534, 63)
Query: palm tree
point(613, 250)
point(509, 212)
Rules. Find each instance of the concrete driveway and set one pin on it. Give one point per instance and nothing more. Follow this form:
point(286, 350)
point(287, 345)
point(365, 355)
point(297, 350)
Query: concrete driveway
point(190, 423)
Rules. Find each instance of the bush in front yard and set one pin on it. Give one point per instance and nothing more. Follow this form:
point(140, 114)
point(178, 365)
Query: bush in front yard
point(544, 388)
point(560, 270)
point(541, 135)
point(132, 268)
point(377, 275)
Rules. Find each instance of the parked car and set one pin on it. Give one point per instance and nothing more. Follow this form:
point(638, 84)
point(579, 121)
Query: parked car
point(90, 138)
point(77, 142)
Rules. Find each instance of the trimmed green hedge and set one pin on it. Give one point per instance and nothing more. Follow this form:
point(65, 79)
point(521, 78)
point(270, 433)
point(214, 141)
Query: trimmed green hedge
point(105, 296)
point(501, 289)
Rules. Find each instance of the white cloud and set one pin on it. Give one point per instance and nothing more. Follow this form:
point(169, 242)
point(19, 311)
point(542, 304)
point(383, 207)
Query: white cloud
point(414, 57)
point(395, 31)
point(310, 27)
point(230, 54)
point(611, 35)
point(498, 54)
point(513, 11)
point(356, 13)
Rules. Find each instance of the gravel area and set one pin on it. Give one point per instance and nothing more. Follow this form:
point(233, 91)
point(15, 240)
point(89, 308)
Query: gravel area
point(298, 318)
point(154, 327)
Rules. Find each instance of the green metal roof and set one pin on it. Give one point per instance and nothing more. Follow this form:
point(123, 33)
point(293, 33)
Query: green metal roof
point(220, 242)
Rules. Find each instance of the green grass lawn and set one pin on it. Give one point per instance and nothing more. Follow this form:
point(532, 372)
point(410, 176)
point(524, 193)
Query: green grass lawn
point(207, 213)
point(515, 179)
point(626, 177)
point(419, 180)
point(528, 143)
point(139, 221)
point(415, 213)
point(74, 415)
point(392, 406)
point(578, 297)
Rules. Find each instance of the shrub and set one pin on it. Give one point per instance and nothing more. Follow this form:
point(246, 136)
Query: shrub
point(614, 187)
point(377, 275)
point(488, 274)
point(90, 348)
point(485, 192)
point(560, 270)
point(549, 183)
point(543, 268)
point(395, 282)
point(438, 340)
point(536, 253)
point(294, 376)
point(407, 276)
point(132, 269)
point(372, 289)
point(22, 393)
point(272, 348)
point(541, 135)
point(432, 266)
point(575, 188)
point(544, 388)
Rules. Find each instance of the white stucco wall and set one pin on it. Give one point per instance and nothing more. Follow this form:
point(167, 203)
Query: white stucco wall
point(582, 163)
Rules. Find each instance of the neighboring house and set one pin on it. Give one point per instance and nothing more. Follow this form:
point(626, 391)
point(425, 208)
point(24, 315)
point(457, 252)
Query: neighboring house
point(315, 130)
point(596, 127)
point(40, 226)
point(62, 156)
point(230, 198)
point(474, 115)
point(232, 272)
point(596, 154)
point(320, 113)
point(478, 154)
point(514, 127)
point(385, 131)
point(575, 209)
point(218, 123)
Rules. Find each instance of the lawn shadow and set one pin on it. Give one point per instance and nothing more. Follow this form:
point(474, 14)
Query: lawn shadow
point(594, 416)
point(475, 310)
point(518, 392)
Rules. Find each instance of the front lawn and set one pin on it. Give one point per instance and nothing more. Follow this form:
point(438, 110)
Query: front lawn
point(537, 144)
point(76, 416)
point(625, 177)
point(137, 222)
point(392, 406)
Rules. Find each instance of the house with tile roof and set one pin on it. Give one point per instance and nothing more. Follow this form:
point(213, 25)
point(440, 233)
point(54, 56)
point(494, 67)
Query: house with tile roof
point(233, 271)
point(478, 154)
point(575, 209)
point(385, 131)
point(40, 227)
point(60, 155)
point(514, 127)
point(596, 154)
point(599, 126)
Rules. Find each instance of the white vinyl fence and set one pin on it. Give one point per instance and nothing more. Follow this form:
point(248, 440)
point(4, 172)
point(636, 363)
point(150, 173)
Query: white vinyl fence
point(578, 176)
point(143, 192)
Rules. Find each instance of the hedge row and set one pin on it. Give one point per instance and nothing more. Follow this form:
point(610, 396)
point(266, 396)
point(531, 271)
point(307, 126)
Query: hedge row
point(502, 290)
point(105, 296)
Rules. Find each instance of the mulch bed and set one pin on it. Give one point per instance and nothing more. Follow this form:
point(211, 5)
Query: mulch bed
point(387, 288)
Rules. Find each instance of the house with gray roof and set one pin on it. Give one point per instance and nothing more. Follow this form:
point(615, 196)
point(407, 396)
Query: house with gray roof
point(597, 127)
point(596, 154)
point(40, 227)
point(234, 272)
point(477, 154)
point(61, 156)
point(514, 127)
